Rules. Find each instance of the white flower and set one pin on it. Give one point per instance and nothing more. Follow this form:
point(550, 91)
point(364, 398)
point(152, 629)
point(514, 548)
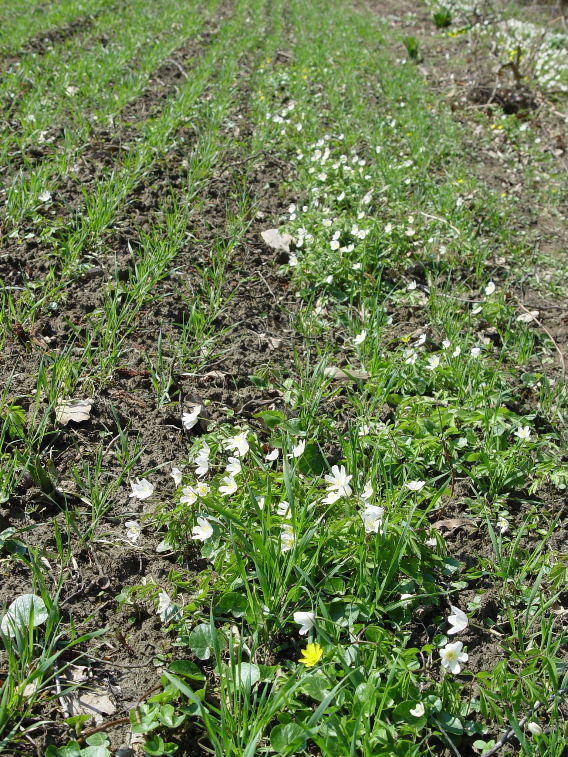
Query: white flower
point(329, 280)
point(523, 433)
point(490, 288)
point(44, 196)
point(167, 610)
point(234, 467)
point(228, 486)
point(433, 362)
point(412, 286)
point(458, 620)
point(334, 244)
point(332, 496)
point(190, 419)
point(238, 443)
point(203, 531)
point(202, 489)
point(406, 598)
point(534, 728)
point(338, 480)
point(357, 266)
point(283, 509)
point(287, 538)
point(476, 310)
point(503, 525)
point(388, 228)
point(373, 518)
point(411, 356)
point(260, 502)
point(451, 657)
point(133, 530)
point(293, 260)
point(367, 491)
point(306, 620)
point(475, 352)
point(457, 351)
point(418, 711)
point(298, 450)
point(202, 460)
point(188, 495)
point(420, 341)
point(446, 343)
point(327, 222)
point(141, 488)
point(360, 337)
point(272, 455)
point(415, 486)
point(176, 475)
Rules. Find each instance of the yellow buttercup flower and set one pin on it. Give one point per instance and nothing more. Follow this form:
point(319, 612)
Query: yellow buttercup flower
point(312, 655)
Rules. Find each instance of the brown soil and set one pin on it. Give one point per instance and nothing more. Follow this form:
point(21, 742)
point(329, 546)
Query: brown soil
point(259, 310)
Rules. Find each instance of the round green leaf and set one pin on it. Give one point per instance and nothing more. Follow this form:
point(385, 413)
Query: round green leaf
point(287, 739)
point(201, 640)
point(22, 611)
point(247, 674)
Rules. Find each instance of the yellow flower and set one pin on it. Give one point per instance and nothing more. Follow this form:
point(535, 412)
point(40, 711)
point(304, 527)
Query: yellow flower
point(312, 655)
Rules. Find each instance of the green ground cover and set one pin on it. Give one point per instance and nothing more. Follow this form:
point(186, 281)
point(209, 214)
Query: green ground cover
point(359, 530)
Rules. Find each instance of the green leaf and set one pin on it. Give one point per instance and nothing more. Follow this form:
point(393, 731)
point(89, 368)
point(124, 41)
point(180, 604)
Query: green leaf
point(315, 686)
point(287, 739)
point(95, 751)
point(232, 602)
point(312, 461)
point(73, 749)
point(272, 418)
point(247, 674)
point(187, 669)
point(201, 640)
point(450, 723)
point(20, 613)
point(403, 713)
point(97, 739)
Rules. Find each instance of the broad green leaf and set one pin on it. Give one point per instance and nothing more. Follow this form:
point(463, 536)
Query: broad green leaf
point(201, 640)
point(287, 739)
point(20, 613)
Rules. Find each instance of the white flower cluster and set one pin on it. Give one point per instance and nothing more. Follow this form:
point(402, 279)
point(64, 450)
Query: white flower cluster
point(542, 53)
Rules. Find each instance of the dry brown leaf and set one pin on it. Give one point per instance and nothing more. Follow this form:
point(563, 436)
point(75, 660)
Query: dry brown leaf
point(347, 374)
point(94, 702)
point(277, 241)
point(73, 410)
point(452, 524)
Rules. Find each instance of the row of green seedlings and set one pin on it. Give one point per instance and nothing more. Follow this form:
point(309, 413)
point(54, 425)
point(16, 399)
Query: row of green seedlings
point(68, 102)
point(108, 327)
point(21, 21)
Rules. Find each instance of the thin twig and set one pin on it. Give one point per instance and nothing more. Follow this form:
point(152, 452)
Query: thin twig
point(243, 161)
point(453, 747)
point(553, 340)
point(510, 732)
point(103, 727)
point(442, 220)
point(180, 68)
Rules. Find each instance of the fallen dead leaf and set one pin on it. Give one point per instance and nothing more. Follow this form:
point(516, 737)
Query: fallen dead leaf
point(73, 410)
point(277, 241)
point(347, 374)
point(452, 524)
